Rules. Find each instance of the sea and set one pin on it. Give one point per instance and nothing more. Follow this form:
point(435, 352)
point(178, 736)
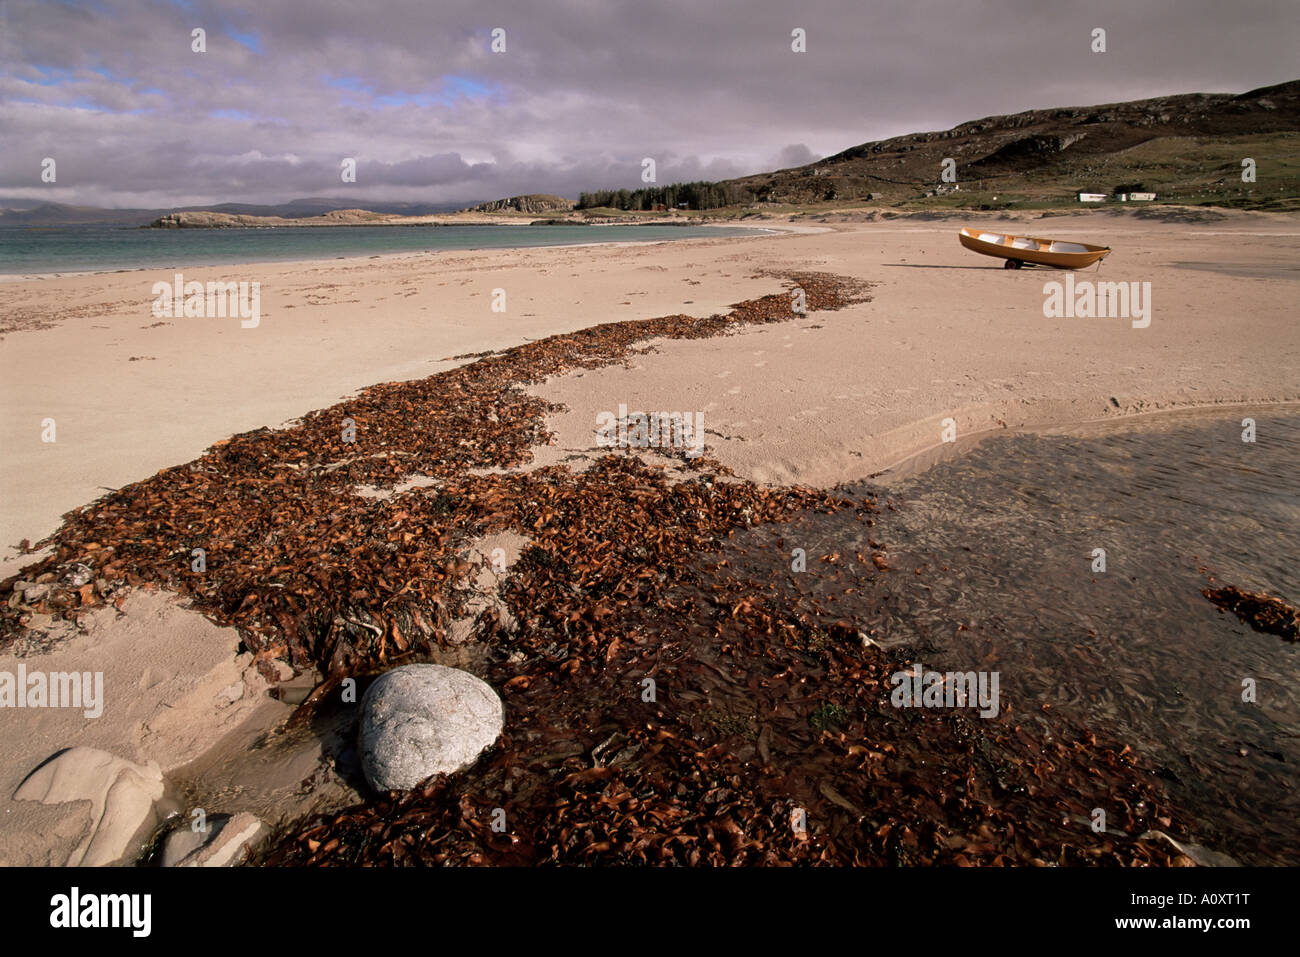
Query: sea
point(28, 250)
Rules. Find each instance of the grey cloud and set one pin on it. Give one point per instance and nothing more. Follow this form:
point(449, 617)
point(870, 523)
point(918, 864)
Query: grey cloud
point(585, 89)
point(796, 154)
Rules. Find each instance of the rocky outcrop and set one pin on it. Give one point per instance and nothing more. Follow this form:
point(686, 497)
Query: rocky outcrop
point(210, 220)
point(1029, 148)
point(206, 220)
point(530, 203)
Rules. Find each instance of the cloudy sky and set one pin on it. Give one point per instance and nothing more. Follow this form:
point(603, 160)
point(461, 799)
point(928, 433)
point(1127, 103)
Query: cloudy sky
point(113, 91)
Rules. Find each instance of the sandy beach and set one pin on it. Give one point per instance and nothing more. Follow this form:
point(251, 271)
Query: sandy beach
point(818, 401)
point(824, 401)
point(824, 398)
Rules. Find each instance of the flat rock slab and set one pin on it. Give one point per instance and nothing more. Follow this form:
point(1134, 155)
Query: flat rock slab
point(121, 796)
point(226, 842)
point(421, 720)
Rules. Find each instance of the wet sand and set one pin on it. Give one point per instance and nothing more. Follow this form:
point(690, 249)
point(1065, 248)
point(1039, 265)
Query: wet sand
point(992, 565)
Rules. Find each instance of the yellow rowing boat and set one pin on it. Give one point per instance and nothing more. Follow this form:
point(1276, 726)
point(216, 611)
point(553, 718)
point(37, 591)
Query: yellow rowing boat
point(1018, 250)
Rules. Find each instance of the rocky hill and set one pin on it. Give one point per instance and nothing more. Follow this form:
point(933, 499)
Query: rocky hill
point(530, 203)
point(1191, 143)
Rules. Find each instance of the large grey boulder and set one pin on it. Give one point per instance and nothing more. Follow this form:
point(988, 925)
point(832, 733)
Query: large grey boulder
point(419, 720)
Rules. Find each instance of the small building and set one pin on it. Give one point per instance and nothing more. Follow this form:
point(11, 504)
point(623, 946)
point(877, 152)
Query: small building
point(1142, 197)
point(1091, 197)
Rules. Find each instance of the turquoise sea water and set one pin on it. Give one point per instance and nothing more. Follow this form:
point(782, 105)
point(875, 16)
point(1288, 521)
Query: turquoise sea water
point(25, 250)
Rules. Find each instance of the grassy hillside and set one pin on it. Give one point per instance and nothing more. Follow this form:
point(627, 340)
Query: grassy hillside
point(1187, 149)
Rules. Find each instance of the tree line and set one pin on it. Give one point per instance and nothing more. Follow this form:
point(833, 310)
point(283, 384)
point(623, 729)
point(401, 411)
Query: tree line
point(699, 195)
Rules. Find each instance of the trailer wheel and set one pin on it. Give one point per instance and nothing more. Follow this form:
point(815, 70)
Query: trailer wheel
point(1012, 264)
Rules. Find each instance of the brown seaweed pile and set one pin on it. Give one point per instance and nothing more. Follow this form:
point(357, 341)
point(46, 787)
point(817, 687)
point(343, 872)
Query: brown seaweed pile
point(770, 739)
point(311, 573)
point(1262, 612)
point(659, 708)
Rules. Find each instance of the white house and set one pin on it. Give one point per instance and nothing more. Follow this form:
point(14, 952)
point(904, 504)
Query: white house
point(1091, 197)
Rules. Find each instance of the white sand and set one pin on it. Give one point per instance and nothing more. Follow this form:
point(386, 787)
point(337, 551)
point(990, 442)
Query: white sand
point(949, 334)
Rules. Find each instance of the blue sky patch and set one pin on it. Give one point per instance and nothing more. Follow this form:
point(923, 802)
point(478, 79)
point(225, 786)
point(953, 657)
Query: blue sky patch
point(250, 40)
point(450, 90)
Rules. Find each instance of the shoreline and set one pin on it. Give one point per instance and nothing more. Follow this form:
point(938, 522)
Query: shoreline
point(47, 276)
point(258, 749)
point(922, 460)
point(233, 464)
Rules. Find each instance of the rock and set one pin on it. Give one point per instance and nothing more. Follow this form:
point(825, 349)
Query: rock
point(227, 841)
point(1202, 856)
point(421, 720)
point(180, 844)
point(77, 575)
point(530, 203)
point(121, 796)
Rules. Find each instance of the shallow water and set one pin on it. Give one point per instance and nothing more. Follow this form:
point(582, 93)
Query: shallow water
point(991, 569)
point(26, 250)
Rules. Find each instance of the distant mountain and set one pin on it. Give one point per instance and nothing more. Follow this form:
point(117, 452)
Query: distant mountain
point(16, 212)
point(1191, 145)
point(13, 212)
